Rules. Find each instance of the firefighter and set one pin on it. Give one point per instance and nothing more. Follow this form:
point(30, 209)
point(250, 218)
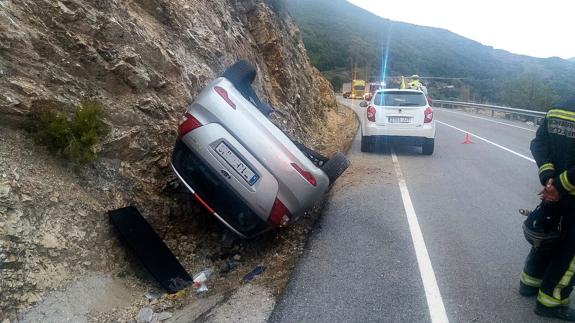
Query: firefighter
point(548, 272)
point(415, 84)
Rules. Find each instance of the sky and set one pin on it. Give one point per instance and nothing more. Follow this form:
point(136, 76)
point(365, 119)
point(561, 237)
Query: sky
point(531, 27)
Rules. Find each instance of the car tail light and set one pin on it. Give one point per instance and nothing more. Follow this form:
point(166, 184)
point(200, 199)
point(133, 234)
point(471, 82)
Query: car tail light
point(307, 175)
point(187, 124)
point(224, 94)
point(371, 113)
point(279, 216)
point(428, 115)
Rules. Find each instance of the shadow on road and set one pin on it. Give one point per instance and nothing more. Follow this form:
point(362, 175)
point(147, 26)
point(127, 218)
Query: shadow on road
point(384, 148)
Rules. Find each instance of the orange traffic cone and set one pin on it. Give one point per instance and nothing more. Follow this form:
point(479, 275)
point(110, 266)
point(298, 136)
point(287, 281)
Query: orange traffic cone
point(467, 139)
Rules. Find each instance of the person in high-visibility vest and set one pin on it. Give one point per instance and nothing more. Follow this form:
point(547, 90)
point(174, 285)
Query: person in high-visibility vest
point(415, 84)
point(548, 272)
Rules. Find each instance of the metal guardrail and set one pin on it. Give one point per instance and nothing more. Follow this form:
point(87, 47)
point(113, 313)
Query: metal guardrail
point(536, 115)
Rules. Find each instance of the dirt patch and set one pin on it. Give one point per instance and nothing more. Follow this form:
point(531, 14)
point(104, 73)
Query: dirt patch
point(94, 293)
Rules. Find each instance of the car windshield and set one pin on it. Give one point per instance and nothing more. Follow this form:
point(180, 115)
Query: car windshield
point(400, 99)
point(359, 87)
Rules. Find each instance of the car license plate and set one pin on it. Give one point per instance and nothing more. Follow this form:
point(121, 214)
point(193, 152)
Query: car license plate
point(237, 163)
point(399, 119)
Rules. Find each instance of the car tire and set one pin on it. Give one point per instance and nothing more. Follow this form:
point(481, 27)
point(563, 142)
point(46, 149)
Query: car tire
point(366, 144)
point(240, 73)
point(428, 146)
point(335, 166)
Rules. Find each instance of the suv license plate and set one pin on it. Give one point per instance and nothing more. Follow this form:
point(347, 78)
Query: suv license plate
point(399, 119)
point(237, 163)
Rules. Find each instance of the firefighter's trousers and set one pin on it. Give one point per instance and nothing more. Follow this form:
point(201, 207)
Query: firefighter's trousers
point(552, 270)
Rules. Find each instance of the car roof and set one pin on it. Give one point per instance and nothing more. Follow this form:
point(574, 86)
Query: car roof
point(399, 90)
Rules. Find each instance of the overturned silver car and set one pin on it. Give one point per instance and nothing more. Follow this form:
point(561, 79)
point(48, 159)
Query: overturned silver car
point(240, 166)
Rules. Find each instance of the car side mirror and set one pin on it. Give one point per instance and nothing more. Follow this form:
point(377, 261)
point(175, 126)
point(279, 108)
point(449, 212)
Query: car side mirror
point(363, 104)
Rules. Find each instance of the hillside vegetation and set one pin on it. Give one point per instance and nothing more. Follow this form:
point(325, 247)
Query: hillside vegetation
point(338, 34)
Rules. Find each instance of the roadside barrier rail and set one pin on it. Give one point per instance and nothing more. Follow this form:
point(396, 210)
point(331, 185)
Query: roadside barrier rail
point(513, 113)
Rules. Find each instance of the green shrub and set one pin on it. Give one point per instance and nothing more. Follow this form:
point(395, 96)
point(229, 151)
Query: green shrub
point(71, 137)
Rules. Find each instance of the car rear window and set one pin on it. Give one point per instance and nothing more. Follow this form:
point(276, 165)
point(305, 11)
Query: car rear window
point(400, 99)
point(359, 87)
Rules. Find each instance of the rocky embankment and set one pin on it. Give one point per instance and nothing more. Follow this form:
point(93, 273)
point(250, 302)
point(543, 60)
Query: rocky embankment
point(144, 61)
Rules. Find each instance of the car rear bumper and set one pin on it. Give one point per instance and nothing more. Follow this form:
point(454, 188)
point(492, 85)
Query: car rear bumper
point(425, 131)
point(411, 141)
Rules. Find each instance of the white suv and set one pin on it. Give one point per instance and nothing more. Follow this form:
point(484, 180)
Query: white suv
point(399, 115)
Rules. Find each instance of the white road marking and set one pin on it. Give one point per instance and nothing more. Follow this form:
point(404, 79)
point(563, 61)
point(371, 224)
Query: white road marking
point(486, 119)
point(432, 294)
point(488, 141)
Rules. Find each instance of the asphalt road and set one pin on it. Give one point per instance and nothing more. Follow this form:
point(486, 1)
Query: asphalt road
point(361, 264)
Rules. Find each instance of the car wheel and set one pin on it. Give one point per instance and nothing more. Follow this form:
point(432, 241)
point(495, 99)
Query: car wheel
point(428, 146)
point(366, 144)
point(335, 166)
point(240, 73)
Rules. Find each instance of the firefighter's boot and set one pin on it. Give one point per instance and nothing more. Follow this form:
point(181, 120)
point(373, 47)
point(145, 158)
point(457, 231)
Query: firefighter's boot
point(559, 312)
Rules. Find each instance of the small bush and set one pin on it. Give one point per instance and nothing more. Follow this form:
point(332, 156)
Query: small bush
point(72, 138)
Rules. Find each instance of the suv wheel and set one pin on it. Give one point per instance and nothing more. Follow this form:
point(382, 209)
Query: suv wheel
point(335, 166)
point(428, 146)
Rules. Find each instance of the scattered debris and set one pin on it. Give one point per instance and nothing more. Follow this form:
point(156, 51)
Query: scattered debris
point(177, 295)
point(200, 280)
point(152, 295)
point(228, 266)
point(255, 272)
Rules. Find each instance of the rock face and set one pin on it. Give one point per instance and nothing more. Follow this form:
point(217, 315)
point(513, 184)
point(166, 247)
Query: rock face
point(144, 61)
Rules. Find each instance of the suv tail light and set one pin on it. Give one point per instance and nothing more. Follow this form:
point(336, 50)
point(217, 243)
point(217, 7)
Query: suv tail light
point(371, 113)
point(187, 124)
point(428, 115)
point(307, 175)
point(279, 216)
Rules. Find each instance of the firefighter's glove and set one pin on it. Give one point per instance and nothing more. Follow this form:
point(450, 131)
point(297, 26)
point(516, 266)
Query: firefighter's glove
point(549, 193)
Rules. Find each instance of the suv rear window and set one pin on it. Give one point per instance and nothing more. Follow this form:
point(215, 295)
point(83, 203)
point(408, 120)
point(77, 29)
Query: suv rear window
point(400, 99)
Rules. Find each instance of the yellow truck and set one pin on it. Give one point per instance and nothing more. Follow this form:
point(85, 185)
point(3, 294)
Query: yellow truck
point(357, 89)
